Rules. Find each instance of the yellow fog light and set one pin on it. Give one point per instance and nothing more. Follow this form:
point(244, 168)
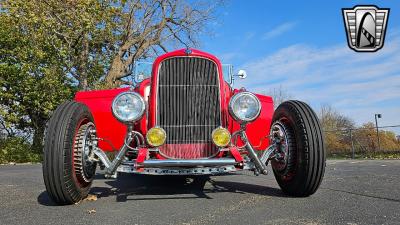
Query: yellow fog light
point(221, 137)
point(156, 136)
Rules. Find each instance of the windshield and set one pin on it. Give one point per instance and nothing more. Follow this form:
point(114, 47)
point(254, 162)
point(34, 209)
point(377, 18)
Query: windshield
point(227, 71)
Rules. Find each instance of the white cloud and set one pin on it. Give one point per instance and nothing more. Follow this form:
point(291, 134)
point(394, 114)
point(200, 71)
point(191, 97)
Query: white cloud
point(283, 28)
point(228, 56)
point(249, 35)
point(358, 84)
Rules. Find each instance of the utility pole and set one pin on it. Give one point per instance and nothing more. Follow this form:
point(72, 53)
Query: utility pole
point(377, 130)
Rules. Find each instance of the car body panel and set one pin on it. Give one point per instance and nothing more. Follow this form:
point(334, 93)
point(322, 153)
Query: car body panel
point(112, 132)
point(107, 126)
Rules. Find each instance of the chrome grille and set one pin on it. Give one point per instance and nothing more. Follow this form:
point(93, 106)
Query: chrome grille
point(188, 106)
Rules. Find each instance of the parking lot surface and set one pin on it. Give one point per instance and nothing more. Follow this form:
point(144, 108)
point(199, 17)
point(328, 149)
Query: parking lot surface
point(352, 192)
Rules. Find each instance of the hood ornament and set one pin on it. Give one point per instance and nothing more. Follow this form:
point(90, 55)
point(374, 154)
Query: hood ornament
point(188, 51)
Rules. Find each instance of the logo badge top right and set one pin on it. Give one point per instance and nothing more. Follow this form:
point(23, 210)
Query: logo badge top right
point(365, 27)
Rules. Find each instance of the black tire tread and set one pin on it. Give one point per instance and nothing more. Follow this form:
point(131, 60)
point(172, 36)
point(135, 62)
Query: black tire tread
point(57, 164)
point(309, 172)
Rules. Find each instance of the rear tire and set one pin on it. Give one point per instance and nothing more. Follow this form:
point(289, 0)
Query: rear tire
point(302, 172)
point(67, 173)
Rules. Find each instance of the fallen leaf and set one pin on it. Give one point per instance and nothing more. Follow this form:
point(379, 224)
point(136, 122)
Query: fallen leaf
point(91, 211)
point(91, 198)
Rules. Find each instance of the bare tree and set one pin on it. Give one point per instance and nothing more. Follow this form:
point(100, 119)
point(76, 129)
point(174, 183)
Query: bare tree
point(279, 95)
point(331, 119)
point(93, 38)
point(152, 25)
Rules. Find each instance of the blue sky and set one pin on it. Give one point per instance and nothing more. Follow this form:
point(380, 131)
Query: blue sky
point(301, 45)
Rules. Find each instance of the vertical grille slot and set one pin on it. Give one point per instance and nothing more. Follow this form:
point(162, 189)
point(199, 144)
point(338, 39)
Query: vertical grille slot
point(188, 106)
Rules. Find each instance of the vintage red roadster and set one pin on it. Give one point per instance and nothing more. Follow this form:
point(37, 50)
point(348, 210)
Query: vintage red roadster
point(184, 119)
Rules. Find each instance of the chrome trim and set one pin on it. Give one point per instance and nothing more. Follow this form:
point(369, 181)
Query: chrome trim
point(219, 93)
point(234, 98)
point(280, 144)
point(143, 108)
point(259, 166)
point(102, 156)
point(111, 166)
point(138, 137)
point(159, 163)
point(167, 157)
point(189, 56)
point(178, 171)
point(265, 157)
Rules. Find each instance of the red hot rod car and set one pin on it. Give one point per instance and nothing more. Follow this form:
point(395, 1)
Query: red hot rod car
point(185, 119)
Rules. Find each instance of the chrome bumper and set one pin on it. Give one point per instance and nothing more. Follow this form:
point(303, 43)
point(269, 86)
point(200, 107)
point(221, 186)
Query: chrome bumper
point(178, 171)
point(180, 167)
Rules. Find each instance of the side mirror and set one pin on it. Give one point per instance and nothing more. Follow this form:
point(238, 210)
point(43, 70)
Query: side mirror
point(242, 74)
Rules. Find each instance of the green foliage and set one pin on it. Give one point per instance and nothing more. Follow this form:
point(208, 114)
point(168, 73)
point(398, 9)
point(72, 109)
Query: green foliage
point(17, 150)
point(76, 38)
point(31, 73)
point(50, 49)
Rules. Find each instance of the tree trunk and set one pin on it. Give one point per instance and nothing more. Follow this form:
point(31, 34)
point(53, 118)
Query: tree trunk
point(38, 136)
point(117, 69)
point(82, 68)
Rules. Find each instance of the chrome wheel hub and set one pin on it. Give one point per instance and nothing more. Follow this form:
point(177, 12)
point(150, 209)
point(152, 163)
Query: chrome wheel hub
point(83, 148)
point(279, 138)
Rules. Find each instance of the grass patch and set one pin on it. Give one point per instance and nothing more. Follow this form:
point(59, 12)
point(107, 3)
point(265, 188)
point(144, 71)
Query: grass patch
point(365, 155)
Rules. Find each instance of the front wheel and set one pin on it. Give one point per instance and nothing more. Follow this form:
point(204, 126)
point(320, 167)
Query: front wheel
point(67, 171)
point(300, 169)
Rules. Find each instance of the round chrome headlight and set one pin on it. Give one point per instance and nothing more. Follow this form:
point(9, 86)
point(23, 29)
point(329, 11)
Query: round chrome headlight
point(128, 107)
point(244, 107)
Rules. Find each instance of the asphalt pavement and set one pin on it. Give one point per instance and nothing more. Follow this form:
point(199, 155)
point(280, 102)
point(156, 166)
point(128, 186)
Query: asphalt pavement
point(352, 192)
